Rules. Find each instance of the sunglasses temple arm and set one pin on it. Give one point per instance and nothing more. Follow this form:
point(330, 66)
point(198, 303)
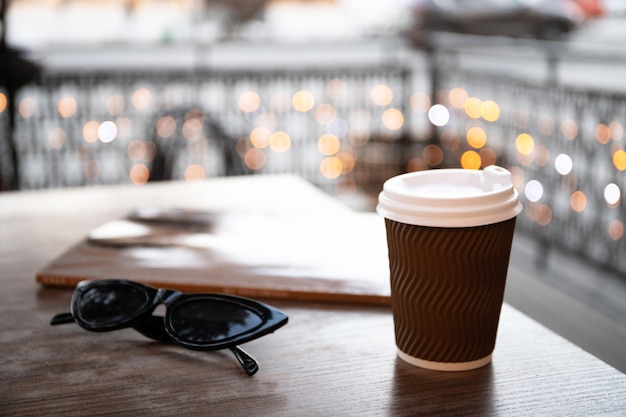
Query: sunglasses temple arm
point(247, 362)
point(62, 318)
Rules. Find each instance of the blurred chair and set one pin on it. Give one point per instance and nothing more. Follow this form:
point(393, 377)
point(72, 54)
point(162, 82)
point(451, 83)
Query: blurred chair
point(188, 140)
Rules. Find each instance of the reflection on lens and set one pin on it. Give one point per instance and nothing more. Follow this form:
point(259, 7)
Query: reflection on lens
point(210, 320)
point(108, 304)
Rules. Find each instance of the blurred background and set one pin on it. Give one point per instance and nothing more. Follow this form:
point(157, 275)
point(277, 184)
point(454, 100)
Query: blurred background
point(346, 94)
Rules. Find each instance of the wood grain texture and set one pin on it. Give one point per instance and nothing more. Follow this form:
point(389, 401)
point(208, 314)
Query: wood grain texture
point(330, 360)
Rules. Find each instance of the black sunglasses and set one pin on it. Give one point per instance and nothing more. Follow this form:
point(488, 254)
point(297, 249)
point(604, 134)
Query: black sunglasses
point(194, 321)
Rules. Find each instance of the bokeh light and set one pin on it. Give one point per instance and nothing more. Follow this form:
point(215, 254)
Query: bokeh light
point(603, 133)
point(107, 131)
point(543, 215)
point(331, 167)
point(457, 97)
point(473, 107)
point(439, 115)
point(115, 104)
point(569, 129)
point(616, 229)
point(3, 102)
point(578, 201)
point(141, 98)
point(490, 110)
point(612, 195)
point(433, 155)
point(524, 144)
point(476, 137)
point(194, 172)
point(337, 89)
point(533, 190)
point(279, 142)
point(617, 131)
point(260, 137)
point(249, 102)
point(471, 160)
point(56, 138)
point(393, 119)
point(166, 126)
point(139, 174)
point(563, 164)
point(254, 158)
point(419, 102)
point(90, 131)
point(328, 144)
point(67, 106)
point(619, 160)
point(382, 95)
point(303, 101)
point(27, 107)
point(325, 113)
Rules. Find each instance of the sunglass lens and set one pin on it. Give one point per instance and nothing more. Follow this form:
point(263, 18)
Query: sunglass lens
point(109, 304)
point(206, 321)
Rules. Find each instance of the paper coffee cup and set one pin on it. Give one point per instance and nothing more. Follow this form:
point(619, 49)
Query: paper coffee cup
point(449, 235)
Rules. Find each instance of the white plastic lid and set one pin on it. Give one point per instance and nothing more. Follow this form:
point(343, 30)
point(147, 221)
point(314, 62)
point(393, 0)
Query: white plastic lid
point(450, 197)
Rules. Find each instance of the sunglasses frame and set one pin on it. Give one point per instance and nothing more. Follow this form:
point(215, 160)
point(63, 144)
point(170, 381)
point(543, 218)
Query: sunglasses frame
point(160, 328)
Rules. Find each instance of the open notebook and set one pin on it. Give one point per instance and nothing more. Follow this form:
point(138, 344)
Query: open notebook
point(300, 257)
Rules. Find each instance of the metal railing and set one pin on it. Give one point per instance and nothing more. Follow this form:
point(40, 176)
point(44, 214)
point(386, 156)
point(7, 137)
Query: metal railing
point(340, 128)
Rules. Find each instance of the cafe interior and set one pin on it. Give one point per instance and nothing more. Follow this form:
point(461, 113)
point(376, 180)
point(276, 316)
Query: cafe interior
point(287, 117)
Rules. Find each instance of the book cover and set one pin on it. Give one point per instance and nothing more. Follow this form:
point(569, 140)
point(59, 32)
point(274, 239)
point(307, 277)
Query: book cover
point(339, 258)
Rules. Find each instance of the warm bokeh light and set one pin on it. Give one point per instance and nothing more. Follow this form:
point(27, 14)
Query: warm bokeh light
point(91, 169)
point(569, 129)
point(328, 144)
point(194, 172)
point(115, 104)
point(578, 201)
point(325, 113)
point(617, 131)
point(616, 229)
point(279, 142)
point(488, 157)
point(524, 144)
point(141, 98)
point(473, 107)
point(612, 195)
point(337, 89)
point(603, 133)
point(457, 97)
point(450, 140)
point(416, 164)
point(471, 160)
point(107, 131)
point(393, 119)
point(348, 161)
point(280, 101)
point(90, 131)
point(67, 106)
point(619, 160)
point(543, 215)
point(433, 155)
point(27, 107)
point(563, 164)
point(303, 101)
point(476, 137)
point(3, 102)
point(382, 95)
point(331, 167)
point(420, 102)
point(542, 155)
point(56, 138)
point(439, 115)
point(260, 137)
point(249, 102)
point(139, 174)
point(166, 126)
point(533, 191)
point(490, 110)
point(254, 158)
point(546, 125)
point(192, 129)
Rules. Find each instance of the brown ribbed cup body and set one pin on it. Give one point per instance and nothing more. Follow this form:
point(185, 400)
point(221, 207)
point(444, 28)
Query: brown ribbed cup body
point(447, 288)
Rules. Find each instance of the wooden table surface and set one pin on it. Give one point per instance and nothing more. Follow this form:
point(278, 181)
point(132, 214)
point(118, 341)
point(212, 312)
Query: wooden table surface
point(330, 360)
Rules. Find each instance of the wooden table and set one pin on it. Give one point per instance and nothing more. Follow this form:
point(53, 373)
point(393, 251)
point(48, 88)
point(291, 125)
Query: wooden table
point(329, 360)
